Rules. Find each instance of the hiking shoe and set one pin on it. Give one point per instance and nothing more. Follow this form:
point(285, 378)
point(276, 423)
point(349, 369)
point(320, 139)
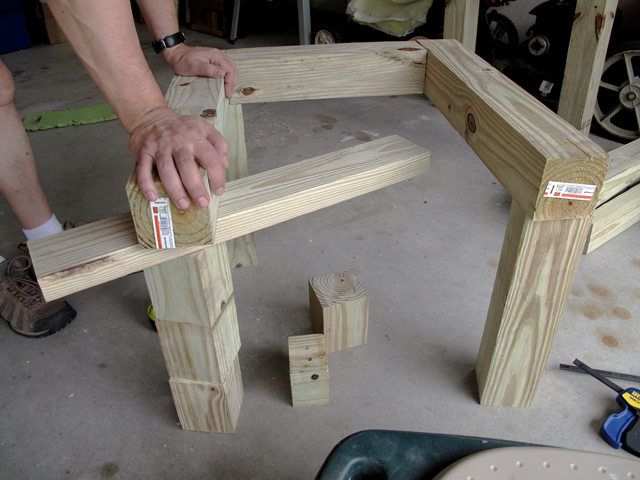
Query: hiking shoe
point(22, 303)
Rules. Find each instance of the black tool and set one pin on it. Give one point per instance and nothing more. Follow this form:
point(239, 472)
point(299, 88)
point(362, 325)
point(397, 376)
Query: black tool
point(606, 373)
point(620, 430)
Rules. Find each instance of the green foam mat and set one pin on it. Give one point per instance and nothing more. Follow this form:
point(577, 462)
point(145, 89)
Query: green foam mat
point(66, 118)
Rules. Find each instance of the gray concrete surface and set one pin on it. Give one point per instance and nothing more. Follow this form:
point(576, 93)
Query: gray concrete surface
point(93, 401)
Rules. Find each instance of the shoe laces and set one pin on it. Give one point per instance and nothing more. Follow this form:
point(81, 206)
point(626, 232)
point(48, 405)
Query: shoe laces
point(20, 283)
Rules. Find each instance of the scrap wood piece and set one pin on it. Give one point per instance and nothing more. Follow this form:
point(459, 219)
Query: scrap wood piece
point(340, 310)
point(103, 251)
point(623, 173)
point(344, 70)
point(523, 143)
point(308, 370)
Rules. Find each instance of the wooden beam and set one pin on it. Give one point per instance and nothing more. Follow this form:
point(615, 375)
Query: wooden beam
point(461, 22)
point(623, 173)
point(308, 370)
point(242, 250)
point(103, 251)
point(613, 218)
point(276, 74)
point(203, 97)
point(590, 35)
point(537, 267)
point(524, 144)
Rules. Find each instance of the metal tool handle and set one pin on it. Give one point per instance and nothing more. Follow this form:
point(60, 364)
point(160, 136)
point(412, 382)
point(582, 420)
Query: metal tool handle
point(597, 376)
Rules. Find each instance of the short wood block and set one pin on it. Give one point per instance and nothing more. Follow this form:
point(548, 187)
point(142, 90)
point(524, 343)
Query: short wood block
point(193, 288)
point(191, 226)
point(201, 354)
point(340, 310)
point(308, 370)
point(209, 407)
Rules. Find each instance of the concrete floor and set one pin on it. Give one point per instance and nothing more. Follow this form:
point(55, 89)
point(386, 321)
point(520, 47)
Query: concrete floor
point(94, 402)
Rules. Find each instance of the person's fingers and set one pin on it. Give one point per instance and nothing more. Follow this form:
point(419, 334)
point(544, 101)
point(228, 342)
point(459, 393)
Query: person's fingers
point(209, 159)
point(144, 177)
point(221, 145)
point(190, 175)
point(171, 179)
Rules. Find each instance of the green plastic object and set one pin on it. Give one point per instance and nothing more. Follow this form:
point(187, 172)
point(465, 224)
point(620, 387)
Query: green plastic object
point(66, 118)
point(393, 455)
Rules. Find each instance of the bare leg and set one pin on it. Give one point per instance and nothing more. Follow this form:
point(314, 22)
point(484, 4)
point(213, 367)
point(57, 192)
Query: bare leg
point(19, 182)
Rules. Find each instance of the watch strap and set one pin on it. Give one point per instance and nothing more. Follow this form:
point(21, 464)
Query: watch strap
point(168, 42)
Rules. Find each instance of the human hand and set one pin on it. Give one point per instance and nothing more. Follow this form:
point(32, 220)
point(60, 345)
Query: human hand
point(175, 144)
point(203, 62)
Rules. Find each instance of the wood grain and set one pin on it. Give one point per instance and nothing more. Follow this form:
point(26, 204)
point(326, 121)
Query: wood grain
point(524, 144)
point(242, 250)
point(308, 370)
point(99, 252)
point(201, 354)
point(339, 308)
point(209, 407)
point(613, 218)
point(203, 97)
point(461, 22)
point(623, 173)
point(590, 35)
point(276, 74)
point(193, 288)
point(535, 275)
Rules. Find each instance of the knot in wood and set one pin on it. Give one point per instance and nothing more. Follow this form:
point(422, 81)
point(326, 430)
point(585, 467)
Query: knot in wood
point(209, 113)
point(471, 123)
point(248, 91)
point(315, 376)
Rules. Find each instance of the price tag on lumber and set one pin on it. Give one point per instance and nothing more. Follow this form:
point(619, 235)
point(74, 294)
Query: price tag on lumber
point(162, 224)
point(574, 191)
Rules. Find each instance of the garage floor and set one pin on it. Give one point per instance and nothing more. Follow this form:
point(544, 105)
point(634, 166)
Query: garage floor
point(93, 401)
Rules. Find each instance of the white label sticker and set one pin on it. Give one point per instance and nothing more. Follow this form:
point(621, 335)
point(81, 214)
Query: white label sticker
point(162, 225)
point(369, 132)
point(573, 191)
point(545, 87)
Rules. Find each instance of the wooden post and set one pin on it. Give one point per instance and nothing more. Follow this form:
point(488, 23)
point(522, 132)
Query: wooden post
point(242, 250)
point(339, 310)
point(197, 325)
point(535, 275)
point(590, 35)
point(461, 21)
point(308, 370)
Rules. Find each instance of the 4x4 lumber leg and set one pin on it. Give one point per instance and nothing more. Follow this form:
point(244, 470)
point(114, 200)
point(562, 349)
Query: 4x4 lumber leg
point(461, 21)
point(590, 35)
point(242, 250)
point(535, 275)
point(197, 325)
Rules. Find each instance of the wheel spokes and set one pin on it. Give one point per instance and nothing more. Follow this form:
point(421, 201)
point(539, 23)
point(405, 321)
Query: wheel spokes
point(610, 86)
point(607, 118)
point(627, 62)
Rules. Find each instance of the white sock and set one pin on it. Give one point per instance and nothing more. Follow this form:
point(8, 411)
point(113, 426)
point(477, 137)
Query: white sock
point(49, 227)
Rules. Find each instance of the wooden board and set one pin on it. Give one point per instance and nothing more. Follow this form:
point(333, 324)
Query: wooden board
point(623, 173)
point(209, 407)
point(193, 288)
point(613, 218)
point(276, 74)
point(203, 97)
point(524, 144)
point(461, 22)
point(339, 309)
point(587, 50)
point(308, 370)
point(242, 250)
point(102, 251)
point(201, 354)
point(537, 267)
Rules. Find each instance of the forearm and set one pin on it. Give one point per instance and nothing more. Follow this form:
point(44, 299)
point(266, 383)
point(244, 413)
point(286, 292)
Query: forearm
point(161, 18)
point(103, 36)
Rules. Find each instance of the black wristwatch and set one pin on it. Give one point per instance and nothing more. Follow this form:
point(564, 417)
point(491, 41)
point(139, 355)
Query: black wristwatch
point(168, 42)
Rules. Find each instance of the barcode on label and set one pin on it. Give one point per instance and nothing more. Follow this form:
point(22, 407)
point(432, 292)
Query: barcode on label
point(573, 191)
point(545, 86)
point(162, 224)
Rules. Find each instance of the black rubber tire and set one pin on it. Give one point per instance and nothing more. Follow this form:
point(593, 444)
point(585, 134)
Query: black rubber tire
point(507, 28)
point(604, 99)
point(327, 34)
